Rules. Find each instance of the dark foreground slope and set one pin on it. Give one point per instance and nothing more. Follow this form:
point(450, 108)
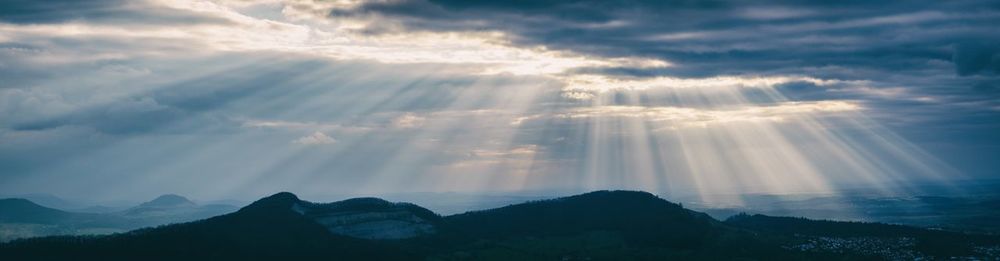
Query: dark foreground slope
point(604, 225)
point(874, 239)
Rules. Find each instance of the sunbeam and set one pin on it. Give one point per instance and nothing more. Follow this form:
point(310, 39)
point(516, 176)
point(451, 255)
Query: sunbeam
point(499, 130)
point(351, 97)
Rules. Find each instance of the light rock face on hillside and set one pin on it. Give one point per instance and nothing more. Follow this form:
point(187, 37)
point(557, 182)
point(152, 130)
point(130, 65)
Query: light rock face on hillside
point(371, 218)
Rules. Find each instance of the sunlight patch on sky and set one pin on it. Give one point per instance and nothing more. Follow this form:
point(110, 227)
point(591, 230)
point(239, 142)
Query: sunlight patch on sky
point(586, 87)
point(681, 117)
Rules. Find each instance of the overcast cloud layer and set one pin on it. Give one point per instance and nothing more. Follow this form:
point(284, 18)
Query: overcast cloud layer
point(243, 98)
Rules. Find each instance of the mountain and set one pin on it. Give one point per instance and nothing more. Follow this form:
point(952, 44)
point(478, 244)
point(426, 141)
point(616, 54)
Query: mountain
point(19, 210)
point(603, 225)
point(165, 205)
point(21, 218)
point(266, 229)
point(171, 208)
point(372, 218)
point(168, 200)
point(637, 215)
point(366, 218)
point(48, 200)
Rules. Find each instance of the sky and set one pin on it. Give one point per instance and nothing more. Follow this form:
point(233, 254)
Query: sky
point(111, 99)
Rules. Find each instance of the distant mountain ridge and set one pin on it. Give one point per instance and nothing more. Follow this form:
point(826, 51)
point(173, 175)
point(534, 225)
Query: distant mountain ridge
point(18, 210)
point(602, 225)
point(172, 208)
point(47, 200)
point(168, 200)
point(21, 218)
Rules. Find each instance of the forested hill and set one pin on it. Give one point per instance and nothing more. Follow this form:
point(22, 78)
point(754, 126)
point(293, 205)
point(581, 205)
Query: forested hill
point(602, 225)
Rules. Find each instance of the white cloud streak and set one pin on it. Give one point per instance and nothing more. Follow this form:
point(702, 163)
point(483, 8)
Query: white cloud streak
point(684, 117)
point(316, 138)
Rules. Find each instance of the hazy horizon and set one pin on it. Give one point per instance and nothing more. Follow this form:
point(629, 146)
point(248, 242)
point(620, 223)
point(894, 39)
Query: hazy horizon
point(450, 202)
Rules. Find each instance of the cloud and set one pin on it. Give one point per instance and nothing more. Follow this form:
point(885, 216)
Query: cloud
point(924, 59)
point(316, 138)
point(712, 38)
point(578, 86)
point(668, 117)
point(515, 160)
point(971, 58)
point(522, 151)
point(294, 125)
point(408, 121)
point(97, 11)
point(128, 116)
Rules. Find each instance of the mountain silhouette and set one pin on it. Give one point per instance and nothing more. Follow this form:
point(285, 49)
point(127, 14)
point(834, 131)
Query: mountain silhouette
point(48, 200)
point(268, 228)
point(602, 225)
point(21, 218)
point(18, 210)
point(168, 200)
point(172, 208)
point(640, 215)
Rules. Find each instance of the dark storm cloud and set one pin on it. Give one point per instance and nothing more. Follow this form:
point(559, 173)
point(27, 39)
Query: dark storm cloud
point(94, 11)
point(925, 67)
point(972, 58)
point(29, 11)
point(930, 69)
point(705, 38)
